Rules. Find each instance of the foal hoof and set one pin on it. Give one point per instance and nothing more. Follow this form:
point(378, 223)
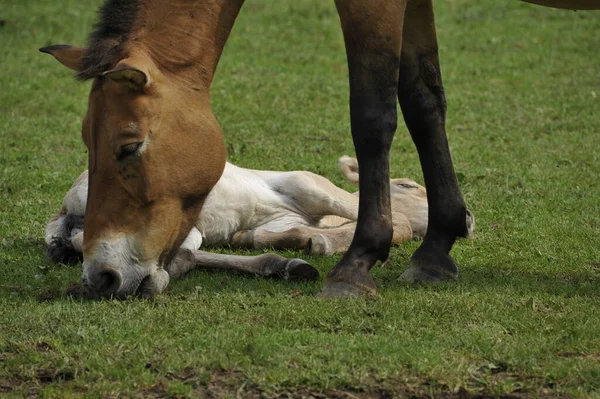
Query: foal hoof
point(61, 250)
point(319, 245)
point(243, 239)
point(182, 262)
point(470, 224)
point(342, 289)
point(297, 269)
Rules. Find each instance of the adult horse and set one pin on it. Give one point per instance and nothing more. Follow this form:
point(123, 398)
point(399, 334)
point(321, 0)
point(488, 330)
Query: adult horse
point(156, 150)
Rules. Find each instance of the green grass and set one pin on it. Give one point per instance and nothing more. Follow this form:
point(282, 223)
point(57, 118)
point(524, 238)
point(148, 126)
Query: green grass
point(523, 87)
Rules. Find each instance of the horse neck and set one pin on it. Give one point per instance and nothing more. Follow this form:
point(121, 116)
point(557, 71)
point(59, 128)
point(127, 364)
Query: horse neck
point(185, 38)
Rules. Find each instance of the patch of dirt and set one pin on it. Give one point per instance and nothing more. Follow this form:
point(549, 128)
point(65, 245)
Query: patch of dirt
point(47, 376)
point(48, 295)
point(33, 386)
point(77, 291)
point(5, 385)
point(12, 349)
point(74, 290)
point(234, 384)
point(42, 346)
point(28, 384)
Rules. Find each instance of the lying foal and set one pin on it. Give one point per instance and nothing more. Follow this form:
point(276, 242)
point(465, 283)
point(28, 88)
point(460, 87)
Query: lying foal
point(256, 209)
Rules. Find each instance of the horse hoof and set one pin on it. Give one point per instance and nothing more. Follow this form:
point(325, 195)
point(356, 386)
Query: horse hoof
point(297, 269)
point(342, 289)
point(418, 274)
point(430, 265)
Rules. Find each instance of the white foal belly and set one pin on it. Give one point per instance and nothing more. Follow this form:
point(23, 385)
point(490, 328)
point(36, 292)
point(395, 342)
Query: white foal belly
point(230, 206)
point(282, 222)
point(242, 200)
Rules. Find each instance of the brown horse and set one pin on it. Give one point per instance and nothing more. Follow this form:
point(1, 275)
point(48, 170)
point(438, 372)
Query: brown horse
point(156, 150)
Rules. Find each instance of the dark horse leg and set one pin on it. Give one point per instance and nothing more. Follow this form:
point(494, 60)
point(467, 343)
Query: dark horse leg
point(373, 37)
point(423, 104)
point(374, 33)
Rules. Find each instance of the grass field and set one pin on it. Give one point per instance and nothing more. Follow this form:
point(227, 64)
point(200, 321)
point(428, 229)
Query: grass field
point(523, 320)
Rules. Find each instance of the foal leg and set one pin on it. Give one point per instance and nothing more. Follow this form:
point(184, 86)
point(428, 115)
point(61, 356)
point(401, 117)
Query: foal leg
point(64, 238)
point(266, 265)
point(314, 240)
point(423, 104)
point(313, 195)
point(373, 37)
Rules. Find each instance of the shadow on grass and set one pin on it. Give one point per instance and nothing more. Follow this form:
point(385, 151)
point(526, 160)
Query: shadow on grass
point(478, 280)
point(58, 283)
point(507, 281)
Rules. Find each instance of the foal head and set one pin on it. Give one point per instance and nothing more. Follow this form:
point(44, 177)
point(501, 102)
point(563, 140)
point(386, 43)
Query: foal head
point(155, 151)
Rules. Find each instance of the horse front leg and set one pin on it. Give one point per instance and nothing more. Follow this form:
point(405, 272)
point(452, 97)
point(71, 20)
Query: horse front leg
point(423, 104)
point(373, 37)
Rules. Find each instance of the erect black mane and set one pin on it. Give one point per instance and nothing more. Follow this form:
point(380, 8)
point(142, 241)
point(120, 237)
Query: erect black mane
point(115, 21)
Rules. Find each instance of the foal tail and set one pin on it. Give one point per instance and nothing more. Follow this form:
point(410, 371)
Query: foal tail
point(568, 4)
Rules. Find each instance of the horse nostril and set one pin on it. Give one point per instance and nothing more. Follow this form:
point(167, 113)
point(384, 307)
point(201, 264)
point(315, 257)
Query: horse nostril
point(108, 282)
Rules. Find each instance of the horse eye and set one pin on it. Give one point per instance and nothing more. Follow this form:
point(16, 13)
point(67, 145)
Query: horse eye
point(128, 150)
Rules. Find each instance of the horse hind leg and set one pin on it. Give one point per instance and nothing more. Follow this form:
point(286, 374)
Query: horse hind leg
point(423, 104)
point(373, 38)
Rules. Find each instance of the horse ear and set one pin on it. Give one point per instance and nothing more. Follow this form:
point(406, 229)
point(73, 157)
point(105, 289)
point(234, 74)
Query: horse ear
point(134, 78)
point(69, 56)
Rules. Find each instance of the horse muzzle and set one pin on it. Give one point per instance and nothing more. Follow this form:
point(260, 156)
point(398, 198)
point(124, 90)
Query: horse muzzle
point(101, 280)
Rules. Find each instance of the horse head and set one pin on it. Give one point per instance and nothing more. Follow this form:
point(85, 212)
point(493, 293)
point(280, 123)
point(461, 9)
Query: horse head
point(155, 152)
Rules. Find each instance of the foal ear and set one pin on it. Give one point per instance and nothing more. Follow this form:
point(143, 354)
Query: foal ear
point(134, 78)
point(69, 56)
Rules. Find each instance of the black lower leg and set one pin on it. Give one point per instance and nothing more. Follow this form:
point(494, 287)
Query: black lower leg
point(423, 104)
point(373, 38)
point(373, 121)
